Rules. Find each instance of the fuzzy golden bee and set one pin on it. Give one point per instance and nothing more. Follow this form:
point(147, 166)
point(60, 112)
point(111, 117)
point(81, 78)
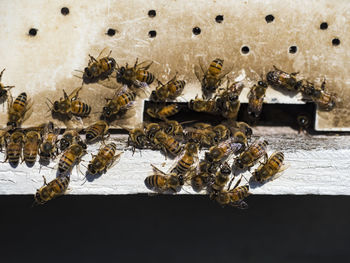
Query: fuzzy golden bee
point(164, 112)
point(71, 157)
point(69, 137)
point(164, 183)
point(233, 197)
point(169, 91)
point(70, 105)
point(96, 131)
point(228, 101)
point(202, 136)
point(4, 89)
point(250, 156)
point(283, 80)
point(32, 142)
point(187, 160)
point(19, 110)
point(269, 169)
point(120, 102)
point(324, 99)
point(51, 190)
point(48, 147)
point(211, 77)
point(135, 76)
point(105, 158)
point(256, 97)
point(99, 68)
point(172, 128)
point(221, 179)
point(167, 143)
point(208, 106)
point(14, 144)
point(223, 150)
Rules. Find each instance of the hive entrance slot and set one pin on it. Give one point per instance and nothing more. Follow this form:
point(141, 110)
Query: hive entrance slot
point(278, 115)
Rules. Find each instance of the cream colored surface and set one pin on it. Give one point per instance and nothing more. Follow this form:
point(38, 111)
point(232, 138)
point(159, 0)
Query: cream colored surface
point(43, 65)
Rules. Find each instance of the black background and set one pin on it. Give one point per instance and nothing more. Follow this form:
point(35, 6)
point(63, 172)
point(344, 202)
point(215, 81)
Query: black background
point(141, 228)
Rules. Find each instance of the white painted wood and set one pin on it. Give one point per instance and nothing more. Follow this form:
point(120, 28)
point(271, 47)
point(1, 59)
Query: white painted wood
point(317, 165)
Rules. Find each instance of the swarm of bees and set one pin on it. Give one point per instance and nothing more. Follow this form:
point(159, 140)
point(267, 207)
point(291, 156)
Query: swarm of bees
point(209, 158)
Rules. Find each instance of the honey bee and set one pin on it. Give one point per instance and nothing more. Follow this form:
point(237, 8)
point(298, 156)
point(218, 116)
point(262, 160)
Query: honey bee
point(228, 101)
point(221, 178)
point(18, 110)
point(283, 80)
point(70, 105)
point(303, 121)
point(250, 156)
point(202, 133)
point(164, 112)
point(69, 137)
point(222, 151)
point(120, 102)
point(138, 139)
point(256, 97)
point(71, 157)
point(172, 128)
point(269, 169)
point(233, 197)
point(167, 143)
point(137, 75)
point(170, 91)
point(106, 157)
point(151, 130)
point(164, 183)
point(209, 106)
point(210, 78)
point(51, 190)
point(32, 141)
point(325, 100)
point(96, 131)
point(4, 89)
point(235, 126)
point(14, 144)
point(99, 68)
point(222, 133)
point(187, 160)
point(48, 147)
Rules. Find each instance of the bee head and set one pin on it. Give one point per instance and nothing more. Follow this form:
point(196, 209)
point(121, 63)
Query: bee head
point(82, 144)
point(13, 124)
point(154, 95)
point(88, 72)
point(233, 97)
point(106, 111)
point(262, 84)
point(91, 168)
point(64, 144)
point(225, 169)
point(3, 92)
point(56, 106)
point(89, 137)
point(238, 162)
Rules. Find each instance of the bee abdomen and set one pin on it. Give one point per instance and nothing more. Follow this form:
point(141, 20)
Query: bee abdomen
point(20, 102)
point(80, 108)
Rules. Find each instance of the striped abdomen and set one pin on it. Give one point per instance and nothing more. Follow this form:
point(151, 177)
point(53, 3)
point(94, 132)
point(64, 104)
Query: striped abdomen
point(66, 162)
point(184, 164)
point(108, 151)
point(258, 149)
point(215, 67)
point(239, 193)
point(96, 130)
point(53, 189)
point(14, 152)
point(125, 99)
point(30, 151)
point(145, 76)
point(172, 145)
point(20, 102)
point(107, 65)
point(156, 182)
point(175, 88)
point(80, 108)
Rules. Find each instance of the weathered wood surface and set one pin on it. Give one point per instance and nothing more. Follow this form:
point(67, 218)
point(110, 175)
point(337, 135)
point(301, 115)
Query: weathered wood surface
point(317, 165)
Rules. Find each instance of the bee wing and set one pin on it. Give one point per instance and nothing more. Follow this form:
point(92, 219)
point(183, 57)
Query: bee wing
point(157, 171)
point(74, 94)
point(29, 110)
point(115, 160)
point(145, 65)
point(106, 52)
point(226, 70)
point(198, 72)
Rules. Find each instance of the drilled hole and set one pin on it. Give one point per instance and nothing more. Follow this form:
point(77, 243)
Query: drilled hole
point(152, 13)
point(245, 50)
point(152, 33)
point(269, 18)
point(111, 32)
point(219, 18)
point(293, 49)
point(324, 26)
point(196, 30)
point(33, 32)
point(335, 42)
point(64, 11)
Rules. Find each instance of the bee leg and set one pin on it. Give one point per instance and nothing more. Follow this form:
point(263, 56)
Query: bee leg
point(45, 183)
point(136, 62)
point(323, 85)
point(92, 58)
point(2, 73)
point(295, 73)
